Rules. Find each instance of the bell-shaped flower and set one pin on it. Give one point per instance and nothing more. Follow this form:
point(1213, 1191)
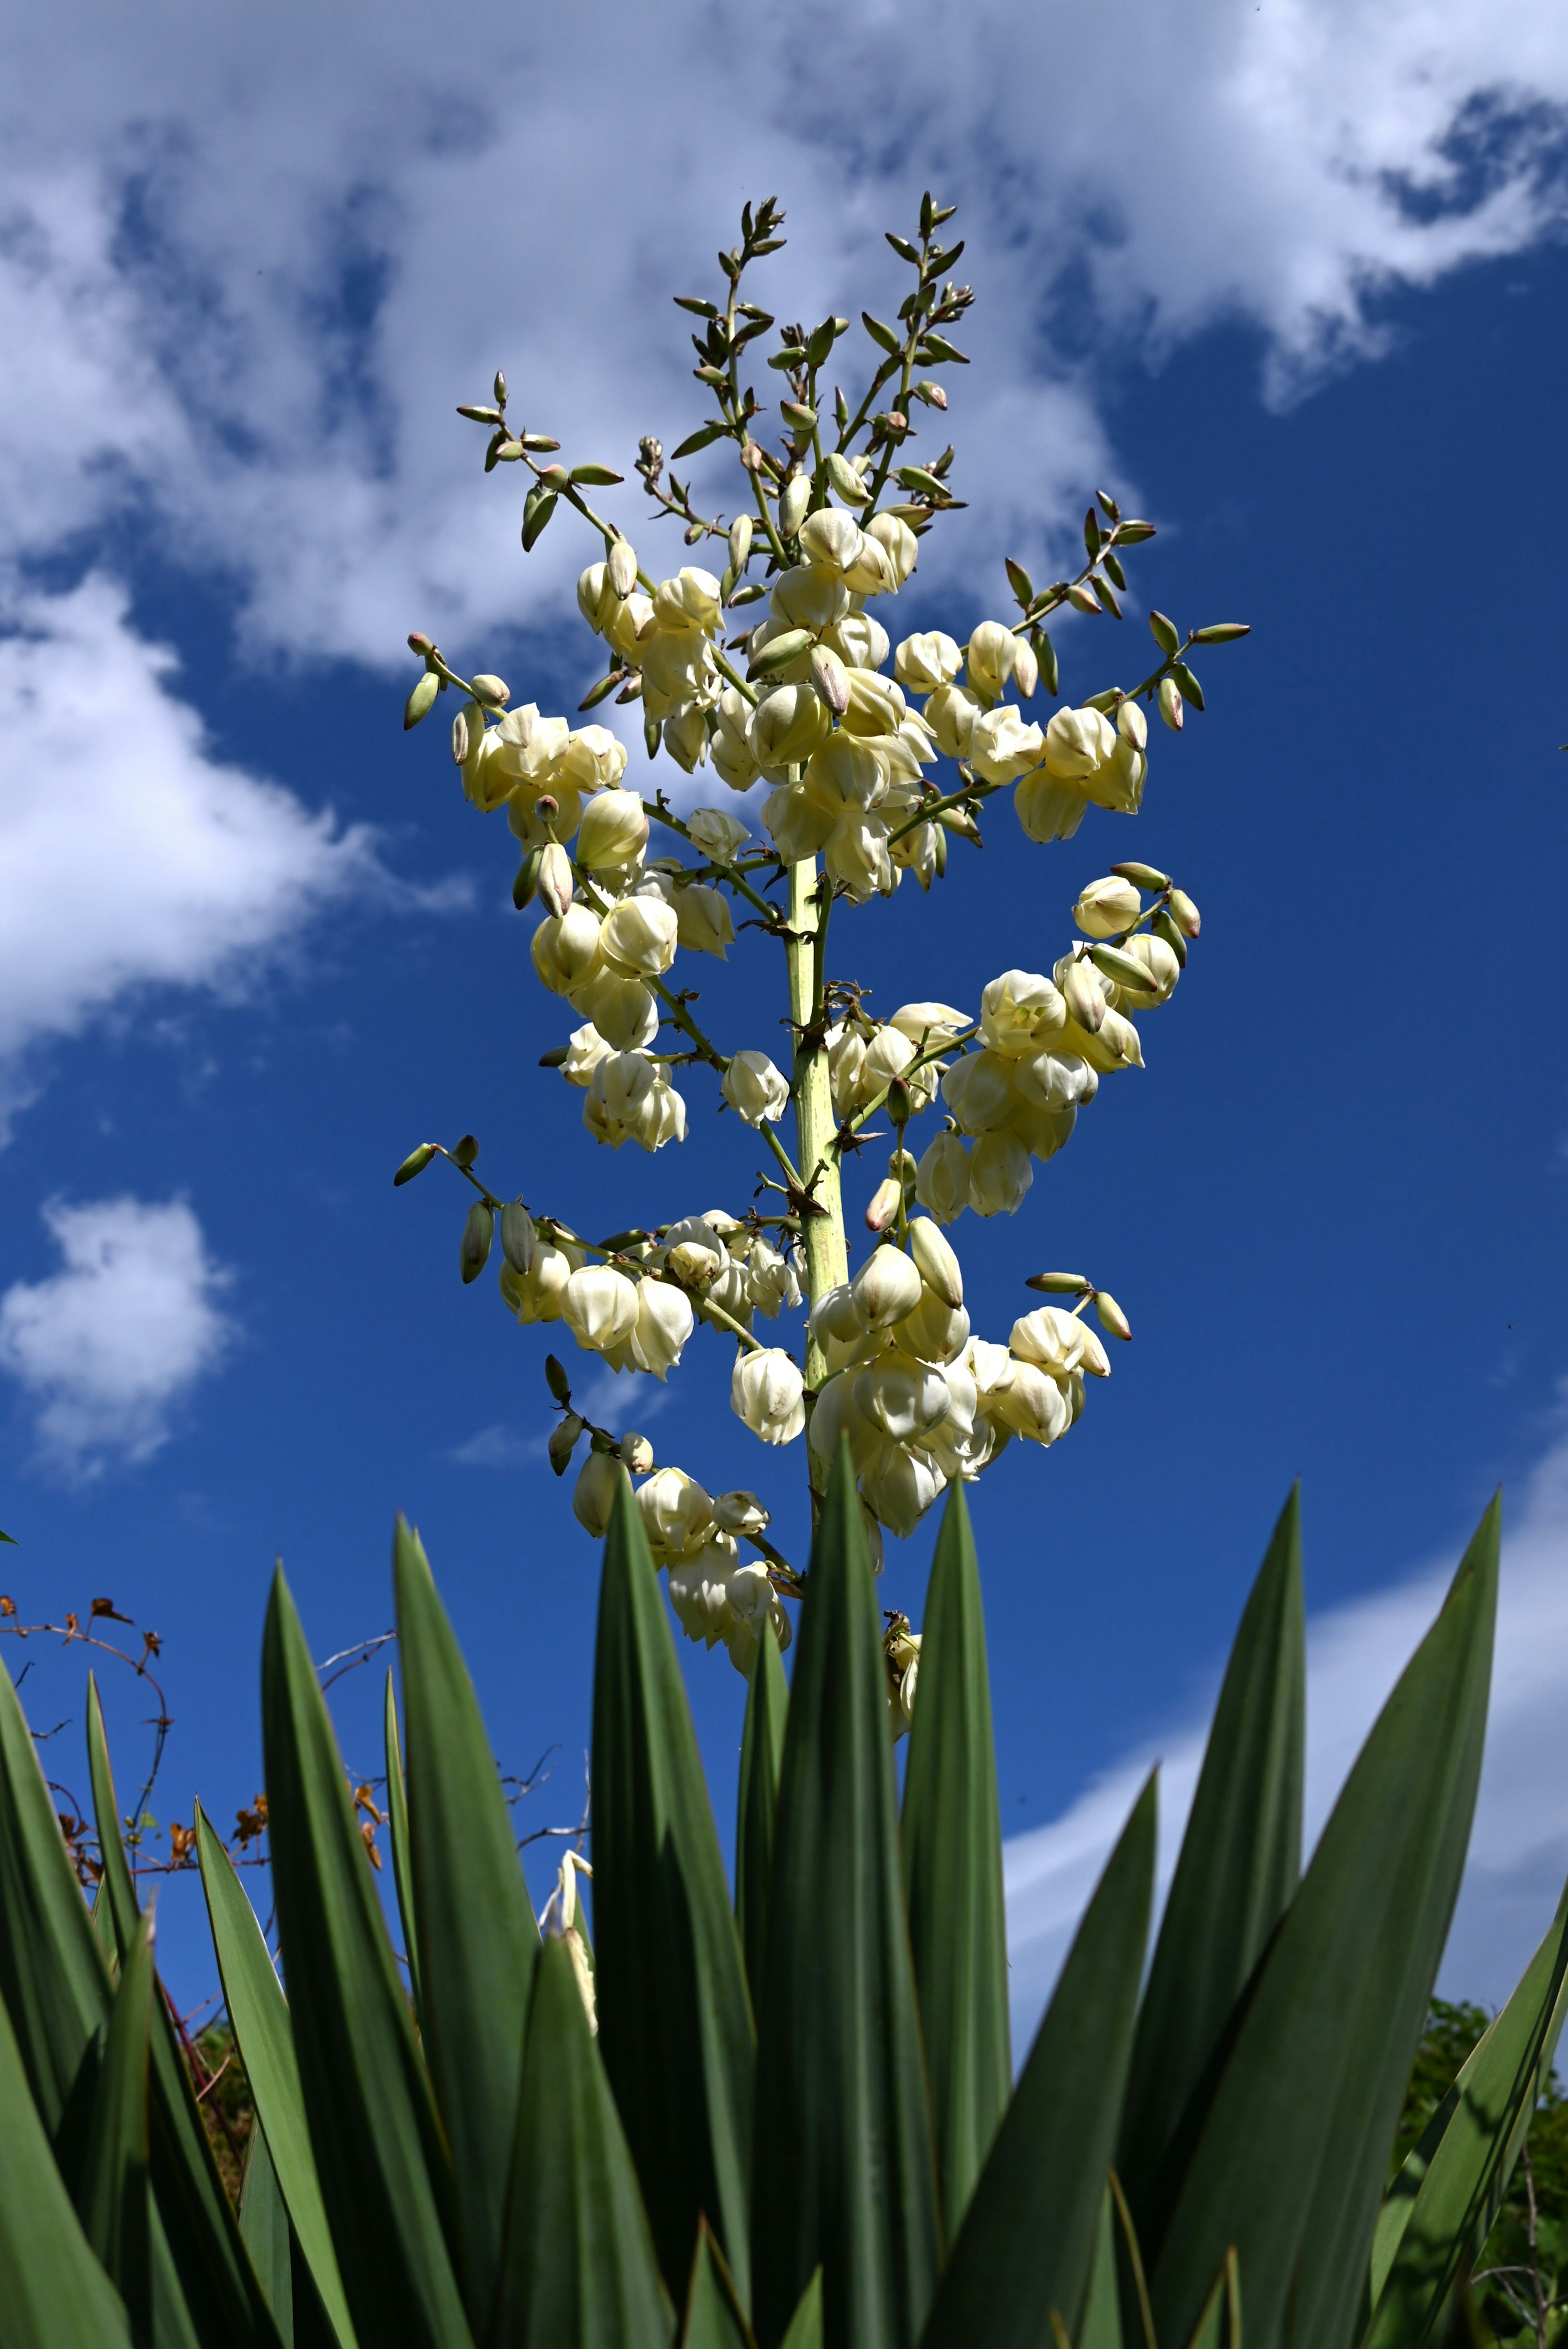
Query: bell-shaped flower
point(805, 597)
point(754, 1087)
point(1031, 1405)
point(989, 659)
point(876, 703)
point(900, 1485)
point(535, 1295)
point(843, 776)
point(1046, 809)
point(624, 1010)
point(899, 545)
point(787, 726)
point(698, 1590)
point(942, 1178)
point(939, 1266)
point(565, 948)
point(830, 540)
point(1001, 747)
point(999, 1174)
point(856, 855)
point(871, 573)
point(951, 713)
point(1053, 1080)
point(1118, 785)
point(768, 1391)
point(676, 1513)
point(753, 1601)
point(1105, 908)
point(585, 1051)
point(885, 1288)
point(740, 1513)
point(594, 1495)
point(717, 835)
point(905, 1397)
point(703, 922)
point(979, 1090)
point(860, 641)
point(639, 936)
point(595, 760)
point(770, 1280)
point(1059, 1343)
point(686, 739)
point(664, 1322)
point(1020, 1011)
point(924, 662)
point(796, 822)
point(613, 830)
point(1078, 741)
point(530, 748)
point(690, 600)
point(597, 597)
point(835, 1419)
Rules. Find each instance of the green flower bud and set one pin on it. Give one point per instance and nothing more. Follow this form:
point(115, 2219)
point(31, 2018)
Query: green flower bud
point(465, 1150)
point(476, 1246)
point(415, 1163)
point(1060, 1283)
point(420, 700)
point(517, 1236)
point(1170, 703)
point(556, 1380)
point(562, 1438)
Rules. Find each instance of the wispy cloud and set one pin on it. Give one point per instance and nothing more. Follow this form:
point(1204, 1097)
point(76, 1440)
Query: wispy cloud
point(1518, 1851)
point(620, 1401)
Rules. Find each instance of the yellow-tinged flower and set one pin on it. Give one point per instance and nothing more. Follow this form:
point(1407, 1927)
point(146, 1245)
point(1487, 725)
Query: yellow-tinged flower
point(565, 948)
point(599, 1306)
point(639, 936)
point(942, 1178)
point(999, 1174)
point(613, 830)
point(756, 1088)
point(1078, 741)
point(768, 1391)
point(924, 662)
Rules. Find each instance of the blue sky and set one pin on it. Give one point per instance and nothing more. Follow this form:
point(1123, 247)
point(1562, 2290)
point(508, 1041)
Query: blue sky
point(1297, 291)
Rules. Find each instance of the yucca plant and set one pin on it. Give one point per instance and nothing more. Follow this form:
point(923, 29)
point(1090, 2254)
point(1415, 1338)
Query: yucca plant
point(792, 2118)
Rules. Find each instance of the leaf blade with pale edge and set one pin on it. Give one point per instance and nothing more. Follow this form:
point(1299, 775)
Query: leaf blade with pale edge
point(1237, 1874)
point(675, 2019)
point(714, 2319)
point(579, 2268)
point(1465, 2172)
point(199, 2259)
point(265, 2227)
point(806, 2324)
point(385, 2180)
point(112, 2197)
point(840, 2091)
point(264, 2035)
point(761, 1752)
point(1027, 2245)
point(1311, 2087)
point(397, 1817)
point(54, 2293)
point(477, 1938)
point(952, 1838)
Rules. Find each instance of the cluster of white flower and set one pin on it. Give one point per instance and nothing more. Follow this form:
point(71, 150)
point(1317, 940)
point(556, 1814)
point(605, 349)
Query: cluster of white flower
point(716, 1597)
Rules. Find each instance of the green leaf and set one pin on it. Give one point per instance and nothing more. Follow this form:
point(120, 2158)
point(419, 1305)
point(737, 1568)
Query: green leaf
point(1437, 2213)
point(700, 438)
point(264, 2035)
point(264, 2229)
point(1101, 2326)
point(112, 2193)
point(579, 2270)
point(385, 2176)
point(1220, 2325)
point(54, 2293)
point(674, 2020)
point(397, 1817)
point(840, 2091)
point(1310, 2086)
point(203, 2277)
point(806, 2324)
point(1027, 2246)
point(714, 2318)
point(477, 1938)
point(1238, 1873)
point(952, 1871)
point(761, 1754)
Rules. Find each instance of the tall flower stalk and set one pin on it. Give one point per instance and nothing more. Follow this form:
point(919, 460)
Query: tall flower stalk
point(839, 780)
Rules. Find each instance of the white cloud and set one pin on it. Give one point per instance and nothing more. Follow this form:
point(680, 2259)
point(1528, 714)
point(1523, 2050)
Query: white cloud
point(619, 1400)
point(1518, 1851)
point(105, 1349)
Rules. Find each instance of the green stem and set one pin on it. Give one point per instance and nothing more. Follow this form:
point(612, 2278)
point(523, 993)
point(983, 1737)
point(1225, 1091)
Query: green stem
point(826, 1250)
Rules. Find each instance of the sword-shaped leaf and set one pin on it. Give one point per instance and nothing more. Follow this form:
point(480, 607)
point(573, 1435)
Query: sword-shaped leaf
point(477, 1939)
point(849, 2183)
point(761, 1754)
point(385, 2174)
point(265, 2227)
point(1288, 2164)
point(1238, 1872)
point(714, 2318)
point(1027, 2245)
point(579, 2268)
point(674, 2020)
point(54, 2293)
point(952, 1871)
point(112, 2196)
point(397, 1817)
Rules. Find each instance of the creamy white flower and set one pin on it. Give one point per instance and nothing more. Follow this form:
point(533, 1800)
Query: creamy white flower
point(596, 597)
point(876, 703)
point(787, 726)
point(1114, 1045)
point(530, 748)
point(805, 597)
point(1043, 1132)
point(770, 1280)
point(1118, 785)
point(599, 1306)
point(1078, 741)
point(860, 641)
point(628, 1100)
point(698, 1590)
point(704, 924)
point(593, 760)
point(942, 1178)
point(905, 1397)
point(535, 1295)
point(1057, 1342)
point(585, 1051)
point(846, 1059)
point(885, 1288)
point(686, 739)
point(629, 624)
point(836, 1419)
point(999, 1174)
point(1001, 747)
point(856, 854)
point(754, 1087)
point(1032, 1406)
point(613, 830)
point(845, 774)
point(639, 936)
point(979, 1090)
point(1019, 1013)
point(951, 713)
point(717, 835)
point(664, 1322)
point(689, 600)
point(989, 659)
point(831, 541)
point(796, 822)
point(834, 1316)
point(1053, 1080)
point(930, 1024)
point(890, 1054)
point(1106, 906)
point(677, 669)
point(565, 948)
point(676, 1513)
point(623, 1011)
point(768, 1391)
point(900, 1485)
point(740, 1512)
point(1160, 961)
point(732, 761)
point(939, 1266)
point(1046, 809)
point(900, 547)
point(594, 1495)
point(753, 1601)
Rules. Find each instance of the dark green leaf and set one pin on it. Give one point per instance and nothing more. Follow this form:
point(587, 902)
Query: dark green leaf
point(1220, 2325)
point(952, 1871)
point(761, 1754)
point(1238, 1872)
point(1312, 2083)
point(264, 2035)
point(700, 438)
point(1439, 2210)
point(1101, 2326)
point(397, 1828)
point(477, 1938)
point(53, 2293)
point(384, 2175)
point(675, 2019)
point(806, 2324)
point(714, 2318)
point(1027, 2245)
point(265, 2227)
point(840, 2091)
point(579, 2271)
point(112, 2193)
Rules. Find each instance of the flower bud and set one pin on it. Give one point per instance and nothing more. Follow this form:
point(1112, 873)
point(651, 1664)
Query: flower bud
point(756, 1088)
point(941, 1180)
point(1170, 703)
point(478, 1229)
point(1111, 1316)
point(999, 1174)
point(564, 1437)
point(1104, 908)
point(492, 692)
point(637, 1455)
point(768, 1391)
point(535, 1296)
point(1132, 725)
point(517, 1236)
point(1025, 668)
point(899, 546)
point(933, 1332)
point(600, 1306)
point(613, 830)
point(924, 663)
point(565, 948)
point(594, 1498)
point(885, 1202)
point(1082, 997)
point(639, 936)
point(885, 1288)
point(793, 500)
point(621, 565)
point(741, 542)
point(596, 598)
point(1184, 913)
point(939, 1267)
point(553, 879)
point(827, 676)
point(988, 661)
